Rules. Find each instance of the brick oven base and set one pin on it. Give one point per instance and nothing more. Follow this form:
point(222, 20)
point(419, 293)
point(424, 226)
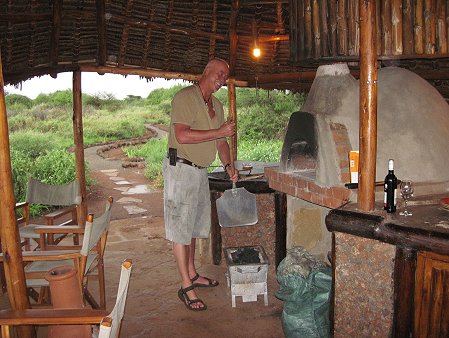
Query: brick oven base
point(265, 232)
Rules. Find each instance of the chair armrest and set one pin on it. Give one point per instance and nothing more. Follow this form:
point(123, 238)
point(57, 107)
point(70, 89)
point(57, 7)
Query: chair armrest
point(52, 216)
point(20, 205)
point(46, 231)
point(51, 316)
point(51, 255)
point(25, 206)
point(57, 229)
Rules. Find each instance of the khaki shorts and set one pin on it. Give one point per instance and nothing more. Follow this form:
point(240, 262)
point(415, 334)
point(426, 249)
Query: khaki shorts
point(186, 203)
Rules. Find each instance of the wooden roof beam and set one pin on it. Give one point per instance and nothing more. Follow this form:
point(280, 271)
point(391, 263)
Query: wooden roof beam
point(212, 40)
point(194, 50)
point(148, 36)
point(55, 32)
point(125, 33)
point(281, 77)
point(233, 37)
point(101, 28)
point(280, 29)
point(167, 43)
point(150, 73)
point(163, 28)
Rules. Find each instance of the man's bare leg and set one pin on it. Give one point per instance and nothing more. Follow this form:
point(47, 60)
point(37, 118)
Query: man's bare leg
point(182, 256)
point(192, 268)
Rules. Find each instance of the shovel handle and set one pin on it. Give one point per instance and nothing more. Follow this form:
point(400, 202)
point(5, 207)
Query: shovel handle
point(231, 153)
point(232, 149)
point(231, 157)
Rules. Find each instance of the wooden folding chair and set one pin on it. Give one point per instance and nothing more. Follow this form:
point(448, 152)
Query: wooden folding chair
point(85, 259)
point(109, 323)
point(67, 196)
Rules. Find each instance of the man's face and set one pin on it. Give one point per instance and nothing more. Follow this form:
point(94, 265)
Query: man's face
point(217, 76)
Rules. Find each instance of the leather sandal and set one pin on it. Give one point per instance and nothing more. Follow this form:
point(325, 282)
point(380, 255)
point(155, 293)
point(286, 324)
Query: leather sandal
point(211, 283)
point(182, 294)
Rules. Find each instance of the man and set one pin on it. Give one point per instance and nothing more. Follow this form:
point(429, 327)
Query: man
point(197, 131)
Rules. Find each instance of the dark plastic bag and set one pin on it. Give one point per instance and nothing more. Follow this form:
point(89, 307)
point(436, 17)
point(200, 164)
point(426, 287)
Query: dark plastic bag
point(304, 286)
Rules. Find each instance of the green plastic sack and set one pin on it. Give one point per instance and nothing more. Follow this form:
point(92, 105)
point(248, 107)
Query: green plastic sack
point(304, 286)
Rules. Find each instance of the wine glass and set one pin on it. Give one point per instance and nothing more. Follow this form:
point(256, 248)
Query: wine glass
point(406, 188)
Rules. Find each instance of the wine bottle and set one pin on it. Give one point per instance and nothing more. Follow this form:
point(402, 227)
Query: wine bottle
point(390, 186)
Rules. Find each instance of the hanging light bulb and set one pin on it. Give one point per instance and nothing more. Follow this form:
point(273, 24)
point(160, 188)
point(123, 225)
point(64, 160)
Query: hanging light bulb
point(256, 51)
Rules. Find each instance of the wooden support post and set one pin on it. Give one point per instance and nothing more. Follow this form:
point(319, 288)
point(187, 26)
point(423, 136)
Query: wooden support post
point(79, 145)
point(233, 43)
point(233, 37)
point(232, 117)
point(9, 232)
point(368, 106)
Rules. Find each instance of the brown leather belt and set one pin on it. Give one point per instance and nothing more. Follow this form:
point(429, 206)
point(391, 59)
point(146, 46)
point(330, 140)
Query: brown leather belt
point(183, 160)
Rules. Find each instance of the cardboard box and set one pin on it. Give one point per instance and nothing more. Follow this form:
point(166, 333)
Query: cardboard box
point(354, 165)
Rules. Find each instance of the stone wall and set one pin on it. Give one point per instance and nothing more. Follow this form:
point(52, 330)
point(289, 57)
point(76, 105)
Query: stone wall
point(363, 287)
point(262, 233)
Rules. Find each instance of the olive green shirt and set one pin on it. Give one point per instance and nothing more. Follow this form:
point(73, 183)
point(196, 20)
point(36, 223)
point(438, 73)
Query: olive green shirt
point(188, 107)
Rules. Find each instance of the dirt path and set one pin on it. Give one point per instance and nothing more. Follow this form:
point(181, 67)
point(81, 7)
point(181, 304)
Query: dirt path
point(137, 232)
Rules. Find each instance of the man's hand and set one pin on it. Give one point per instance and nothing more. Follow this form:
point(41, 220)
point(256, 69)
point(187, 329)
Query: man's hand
point(234, 177)
point(227, 129)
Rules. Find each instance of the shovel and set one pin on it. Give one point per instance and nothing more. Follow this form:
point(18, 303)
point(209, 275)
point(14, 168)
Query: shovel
point(237, 206)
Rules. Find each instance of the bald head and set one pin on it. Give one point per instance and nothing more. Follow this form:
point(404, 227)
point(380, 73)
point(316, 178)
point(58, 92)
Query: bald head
point(214, 76)
point(216, 62)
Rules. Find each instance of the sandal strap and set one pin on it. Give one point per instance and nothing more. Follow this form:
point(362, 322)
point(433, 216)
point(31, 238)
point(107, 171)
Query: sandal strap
point(187, 289)
point(196, 300)
point(195, 277)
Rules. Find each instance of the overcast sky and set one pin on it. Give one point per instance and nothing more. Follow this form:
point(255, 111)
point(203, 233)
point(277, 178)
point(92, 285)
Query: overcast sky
point(92, 83)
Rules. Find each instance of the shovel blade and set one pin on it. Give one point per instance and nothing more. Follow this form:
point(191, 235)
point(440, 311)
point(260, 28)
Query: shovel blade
point(237, 207)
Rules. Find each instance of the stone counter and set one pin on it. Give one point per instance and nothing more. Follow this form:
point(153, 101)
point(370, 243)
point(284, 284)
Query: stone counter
point(375, 266)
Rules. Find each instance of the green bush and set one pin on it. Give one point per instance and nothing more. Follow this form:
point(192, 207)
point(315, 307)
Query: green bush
point(32, 143)
point(21, 165)
point(159, 100)
point(60, 98)
point(266, 117)
point(264, 151)
point(55, 167)
point(17, 102)
point(154, 152)
point(104, 127)
point(253, 150)
point(18, 122)
point(103, 101)
point(163, 94)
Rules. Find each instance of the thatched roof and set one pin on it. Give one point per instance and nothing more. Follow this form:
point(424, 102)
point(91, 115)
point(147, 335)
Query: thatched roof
point(176, 38)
